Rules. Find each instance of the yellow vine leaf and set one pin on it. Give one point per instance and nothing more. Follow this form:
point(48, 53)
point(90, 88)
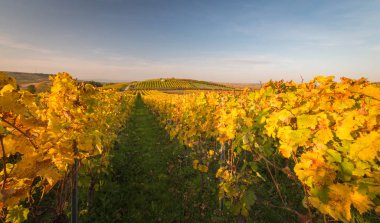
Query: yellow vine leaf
point(50, 174)
point(361, 202)
point(372, 91)
point(313, 170)
point(219, 172)
point(306, 121)
point(284, 116)
point(6, 88)
point(292, 137)
point(195, 164)
point(366, 147)
point(340, 199)
point(340, 105)
point(339, 202)
point(226, 175)
point(285, 150)
point(346, 126)
point(323, 135)
point(203, 168)
point(324, 79)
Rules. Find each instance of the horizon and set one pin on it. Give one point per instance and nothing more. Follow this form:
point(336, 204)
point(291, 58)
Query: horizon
point(300, 80)
point(219, 41)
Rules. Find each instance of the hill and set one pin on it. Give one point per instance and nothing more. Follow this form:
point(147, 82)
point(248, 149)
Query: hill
point(23, 78)
point(176, 84)
point(41, 82)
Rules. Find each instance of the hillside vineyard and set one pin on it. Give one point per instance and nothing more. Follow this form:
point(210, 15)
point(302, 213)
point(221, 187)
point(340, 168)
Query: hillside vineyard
point(310, 149)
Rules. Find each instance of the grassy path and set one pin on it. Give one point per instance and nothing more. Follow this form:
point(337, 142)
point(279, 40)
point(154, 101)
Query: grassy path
point(148, 180)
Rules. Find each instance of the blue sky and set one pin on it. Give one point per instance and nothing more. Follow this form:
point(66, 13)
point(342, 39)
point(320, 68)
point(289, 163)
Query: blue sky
point(232, 41)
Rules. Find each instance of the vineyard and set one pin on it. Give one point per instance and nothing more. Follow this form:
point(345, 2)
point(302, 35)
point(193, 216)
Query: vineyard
point(179, 84)
point(44, 137)
point(288, 152)
point(164, 84)
point(168, 84)
point(320, 139)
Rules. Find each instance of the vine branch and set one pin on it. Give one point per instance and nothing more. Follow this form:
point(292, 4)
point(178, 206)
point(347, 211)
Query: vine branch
point(22, 132)
point(4, 162)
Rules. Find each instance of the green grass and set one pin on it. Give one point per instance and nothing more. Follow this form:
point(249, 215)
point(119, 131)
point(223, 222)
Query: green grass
point(151, 179)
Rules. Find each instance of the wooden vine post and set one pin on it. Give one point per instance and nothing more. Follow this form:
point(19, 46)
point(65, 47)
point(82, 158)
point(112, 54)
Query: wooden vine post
point(74, 186)
point(222, 158)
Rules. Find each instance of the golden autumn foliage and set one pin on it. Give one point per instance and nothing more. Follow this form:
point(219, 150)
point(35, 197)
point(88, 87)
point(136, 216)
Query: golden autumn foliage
point(38, 133)
point(329, 129)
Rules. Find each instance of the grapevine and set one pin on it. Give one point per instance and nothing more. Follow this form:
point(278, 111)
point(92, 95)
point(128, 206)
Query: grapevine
point(39, 132)
point(329, 130)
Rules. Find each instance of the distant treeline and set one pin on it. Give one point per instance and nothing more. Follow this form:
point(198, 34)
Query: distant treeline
point(93, 83)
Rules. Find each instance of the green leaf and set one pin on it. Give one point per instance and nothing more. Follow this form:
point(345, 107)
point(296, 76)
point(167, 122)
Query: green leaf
point(246, 147)
point(249, 198)
point(344, 147)
point(260, 176)
point(334, 156)
point(17, 214)
point(244, 212)
point(2, 129)
point(347, 168)
point(323, 194)
point(253, 166)
point(361, 168)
